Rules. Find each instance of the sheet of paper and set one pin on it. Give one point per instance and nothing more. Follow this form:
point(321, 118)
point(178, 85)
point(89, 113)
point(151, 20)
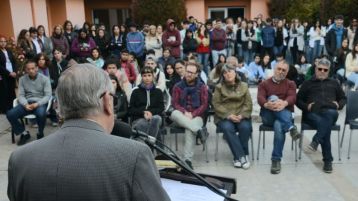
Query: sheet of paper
point(178, 191)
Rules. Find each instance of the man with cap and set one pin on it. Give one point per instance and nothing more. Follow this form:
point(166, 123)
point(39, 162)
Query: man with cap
point(335, 36)
point(135, 41)
point(171, 39)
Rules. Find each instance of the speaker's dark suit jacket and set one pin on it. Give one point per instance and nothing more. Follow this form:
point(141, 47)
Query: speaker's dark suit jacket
point(82, 162)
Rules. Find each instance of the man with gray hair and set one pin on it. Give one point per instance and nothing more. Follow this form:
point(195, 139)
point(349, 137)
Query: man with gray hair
point(319, 99)
point(81, 161)
point(277, 97)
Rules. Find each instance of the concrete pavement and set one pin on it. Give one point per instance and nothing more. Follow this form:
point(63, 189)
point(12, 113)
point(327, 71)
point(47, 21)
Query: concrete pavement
point(302, 180)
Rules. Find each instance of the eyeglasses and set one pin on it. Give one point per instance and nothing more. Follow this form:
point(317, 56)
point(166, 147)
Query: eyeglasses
point(115, 98)
point(323, 69)
point(190, 73)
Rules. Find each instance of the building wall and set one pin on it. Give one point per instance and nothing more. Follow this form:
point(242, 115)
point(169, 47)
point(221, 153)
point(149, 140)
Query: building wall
point(259, 7)
point(6, 19)
point(21, 12)
point(196, 8)
point(75, 10)
point(39, 8)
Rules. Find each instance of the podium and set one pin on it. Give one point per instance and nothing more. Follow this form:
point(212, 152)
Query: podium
point(224, 183)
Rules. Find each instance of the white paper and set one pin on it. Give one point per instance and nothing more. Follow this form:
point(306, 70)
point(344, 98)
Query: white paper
point(178, 191)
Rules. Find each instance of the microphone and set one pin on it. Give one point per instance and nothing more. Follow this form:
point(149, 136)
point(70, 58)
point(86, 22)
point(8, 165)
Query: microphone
point(137, 133)
point(123, 129)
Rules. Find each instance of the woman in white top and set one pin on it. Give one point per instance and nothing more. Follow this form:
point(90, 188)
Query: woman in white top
point(352, 32)
point(316, 43)
point(296, 42)
point(154, 42)
point(352, 65)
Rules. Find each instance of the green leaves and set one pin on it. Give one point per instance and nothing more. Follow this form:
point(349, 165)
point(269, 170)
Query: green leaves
point(158, 11)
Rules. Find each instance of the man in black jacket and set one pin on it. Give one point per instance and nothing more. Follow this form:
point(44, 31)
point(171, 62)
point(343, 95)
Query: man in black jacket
point(335, 36)
point(319, 98)
point(147, 104)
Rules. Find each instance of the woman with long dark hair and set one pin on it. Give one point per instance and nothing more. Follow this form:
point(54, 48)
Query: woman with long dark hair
point(69, 33)
point(117, 42)
point(82, 46)
point(203, 39)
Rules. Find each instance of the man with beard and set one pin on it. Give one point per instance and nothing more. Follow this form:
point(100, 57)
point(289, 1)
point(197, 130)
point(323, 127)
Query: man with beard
point(277, 97)
point(190, 100)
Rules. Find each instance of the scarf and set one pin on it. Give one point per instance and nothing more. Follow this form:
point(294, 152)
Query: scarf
point(192, 91)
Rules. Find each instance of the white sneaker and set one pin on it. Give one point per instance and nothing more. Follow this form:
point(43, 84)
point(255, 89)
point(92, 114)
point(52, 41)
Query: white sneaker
point(245, 164)
point(54, 124)
point(237, 164)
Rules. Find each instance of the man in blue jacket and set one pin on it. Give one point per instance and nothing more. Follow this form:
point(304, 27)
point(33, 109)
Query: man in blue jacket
point(135, 41)
point(268, 38)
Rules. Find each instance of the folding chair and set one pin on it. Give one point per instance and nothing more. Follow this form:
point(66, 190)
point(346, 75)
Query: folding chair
point(263, 129)
point(305, 126)
point(351, 116)
point(218, 131)
point(30, 116)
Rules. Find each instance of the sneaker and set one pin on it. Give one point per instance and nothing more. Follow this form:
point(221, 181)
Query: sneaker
point(188, 162)
point(54, 124)
point(327, 167)
point(294, 133)
point(34, 125)
point(24, 138)
point(313, 145)
point(245, 164)
point(39, 136)
point(237, 164)
point(203, 134)
point(275, 167)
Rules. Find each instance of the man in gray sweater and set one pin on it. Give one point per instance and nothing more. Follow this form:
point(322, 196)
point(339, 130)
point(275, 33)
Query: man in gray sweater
point(34, 94)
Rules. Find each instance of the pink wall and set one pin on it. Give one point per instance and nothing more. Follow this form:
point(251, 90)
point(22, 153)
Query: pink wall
point(257, 7)
point(21, 15)
point(75, 10)
point(196, 8)
point(40, 14)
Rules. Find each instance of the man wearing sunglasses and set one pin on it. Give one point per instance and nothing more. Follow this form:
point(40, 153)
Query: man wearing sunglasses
point(319, 99)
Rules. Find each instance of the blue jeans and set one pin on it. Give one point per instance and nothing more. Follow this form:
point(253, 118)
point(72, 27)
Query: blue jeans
point(150, 127)
point(248, 56)
point(278, 50)
point(322, 122)
point(353, 77)
point(239, 51)
point(281, 121)
point(238, 144)
point(19, 111)
point(204, 60)
point(317, 50)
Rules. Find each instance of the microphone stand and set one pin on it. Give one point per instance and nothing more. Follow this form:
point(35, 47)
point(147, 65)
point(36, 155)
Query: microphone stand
point(186, 168)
